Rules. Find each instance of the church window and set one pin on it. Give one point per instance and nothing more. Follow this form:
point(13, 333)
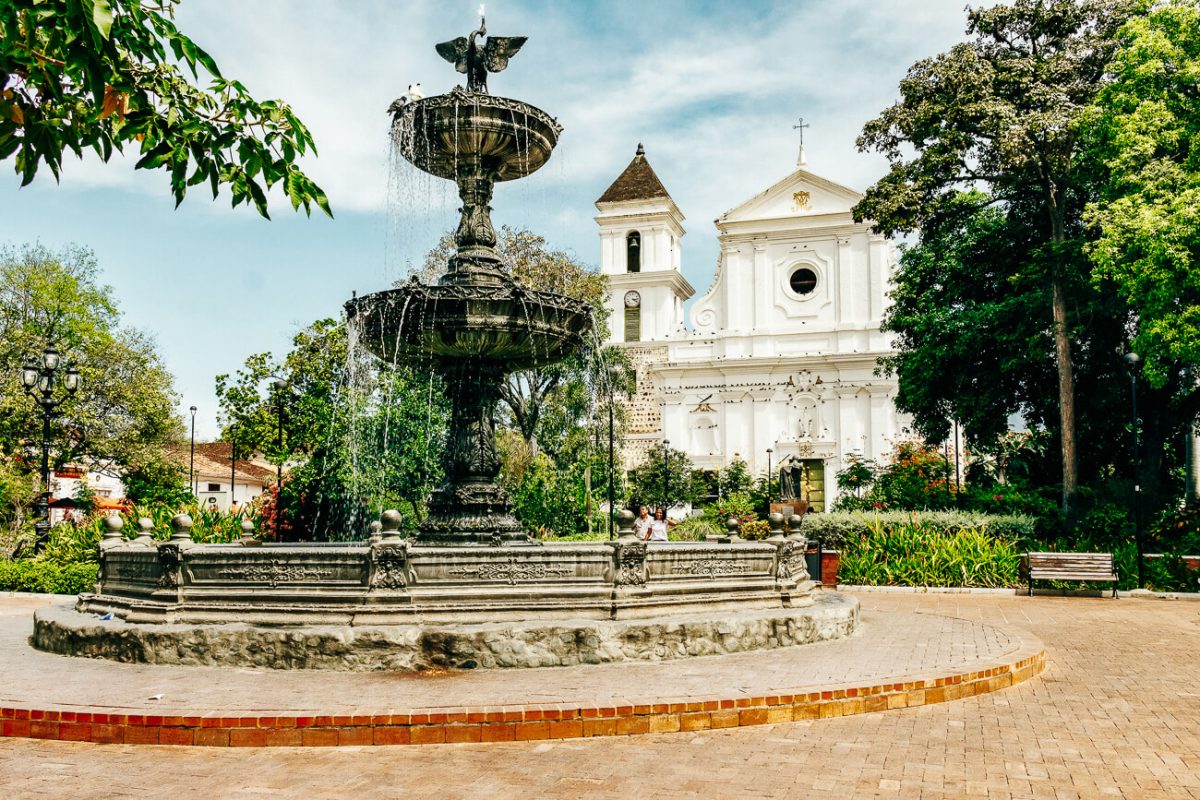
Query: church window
point(803, 281)
point(633, 317)
point(633, 252)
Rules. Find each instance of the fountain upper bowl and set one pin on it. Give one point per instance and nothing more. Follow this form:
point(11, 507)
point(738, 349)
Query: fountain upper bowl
point(444, 133)
point(506, 325)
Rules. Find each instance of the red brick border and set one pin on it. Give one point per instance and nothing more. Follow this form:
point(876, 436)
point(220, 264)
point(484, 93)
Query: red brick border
point(513, 723)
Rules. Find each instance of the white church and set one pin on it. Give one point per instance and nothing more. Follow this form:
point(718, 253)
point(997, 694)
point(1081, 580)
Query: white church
point(778, 362)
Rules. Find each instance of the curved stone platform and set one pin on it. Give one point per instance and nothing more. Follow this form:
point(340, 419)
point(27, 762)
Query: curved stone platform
point(62, 629)
point(897, 660)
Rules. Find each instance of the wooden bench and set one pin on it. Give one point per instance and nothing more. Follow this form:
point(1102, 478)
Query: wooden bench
point(1072, 567)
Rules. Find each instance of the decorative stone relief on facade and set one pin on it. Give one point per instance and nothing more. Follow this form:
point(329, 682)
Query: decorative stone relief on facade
point(512, 572)
point(709, 567)
point(276, 572)
point(170, 557)
point(388, 566)
point(631, 564)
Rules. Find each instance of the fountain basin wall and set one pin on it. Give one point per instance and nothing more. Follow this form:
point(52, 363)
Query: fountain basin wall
point(397, 582)
point(398, 605)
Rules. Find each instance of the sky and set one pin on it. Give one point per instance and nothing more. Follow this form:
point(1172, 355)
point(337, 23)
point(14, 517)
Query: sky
point(712, 89)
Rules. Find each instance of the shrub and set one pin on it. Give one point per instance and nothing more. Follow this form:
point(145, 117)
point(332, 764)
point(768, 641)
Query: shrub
point(739, 505)
point(47, 577)
point(838, 527)
point(695, 528)
point(920, 554)
point(758, 529)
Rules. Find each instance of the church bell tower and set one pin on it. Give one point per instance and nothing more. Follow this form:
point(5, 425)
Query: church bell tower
point(640, 233)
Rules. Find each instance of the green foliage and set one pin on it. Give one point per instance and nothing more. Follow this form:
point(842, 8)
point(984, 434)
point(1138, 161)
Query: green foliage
point(157, 480)
point(837, 528)
point(47, 577)
point(858, 474)
point(104, 74)
point(124, 409)
point(359, 436)
point(736, 505)
point(918, 477)
point(755, 530)
point(998, 113)
point(553, 502)
point(696, 528)
point(735, 477)
point(666, 470)
point(1145, 128)
point(919, 554)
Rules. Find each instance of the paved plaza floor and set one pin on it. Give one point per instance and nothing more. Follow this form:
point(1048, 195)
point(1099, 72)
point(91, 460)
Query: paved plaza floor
point(1115, 714)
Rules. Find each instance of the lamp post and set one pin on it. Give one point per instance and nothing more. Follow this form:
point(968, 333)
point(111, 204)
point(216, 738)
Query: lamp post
point(611, 469)
point(192, 457)
point(232, 465)
point(666, 475)
point(1132, 360)
point(279, 385)
point(40, 381)
point(769, 452)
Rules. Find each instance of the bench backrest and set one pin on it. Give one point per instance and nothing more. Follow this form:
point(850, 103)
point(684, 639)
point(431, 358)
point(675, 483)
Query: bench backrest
point(1090, 562)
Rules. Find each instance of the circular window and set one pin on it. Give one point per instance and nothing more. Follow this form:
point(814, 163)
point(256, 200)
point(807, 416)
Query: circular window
point(803, 281)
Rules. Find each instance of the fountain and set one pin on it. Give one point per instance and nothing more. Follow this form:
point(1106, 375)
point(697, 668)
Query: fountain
point(470, 588)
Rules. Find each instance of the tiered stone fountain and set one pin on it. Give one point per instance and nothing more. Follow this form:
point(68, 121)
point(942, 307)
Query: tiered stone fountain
point(471, 588)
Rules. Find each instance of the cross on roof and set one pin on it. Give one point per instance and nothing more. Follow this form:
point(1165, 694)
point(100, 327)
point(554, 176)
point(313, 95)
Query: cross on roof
point(800, 126)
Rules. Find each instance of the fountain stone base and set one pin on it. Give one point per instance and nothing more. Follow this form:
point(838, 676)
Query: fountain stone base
point(422, 606)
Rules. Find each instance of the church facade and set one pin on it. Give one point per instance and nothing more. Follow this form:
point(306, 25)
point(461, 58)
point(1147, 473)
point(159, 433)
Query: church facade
point(777, 366)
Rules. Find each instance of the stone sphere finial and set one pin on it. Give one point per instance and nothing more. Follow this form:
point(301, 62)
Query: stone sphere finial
point(375, 531)
point(248, 532)
point(794, 523)
point(112, 532)
point(390, 522)
point(181, 528)
point(733, 526)
point(775, 524)
point(145, 531)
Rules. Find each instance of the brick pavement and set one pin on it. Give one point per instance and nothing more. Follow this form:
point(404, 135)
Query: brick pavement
point(1116, 714)
point(897, 659)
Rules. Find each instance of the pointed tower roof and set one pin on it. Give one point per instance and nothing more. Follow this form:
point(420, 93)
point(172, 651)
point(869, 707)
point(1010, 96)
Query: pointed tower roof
point(637, 182)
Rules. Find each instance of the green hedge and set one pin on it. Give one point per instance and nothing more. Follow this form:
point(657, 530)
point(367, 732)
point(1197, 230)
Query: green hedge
point(838, 527)
point(920, 554)
point(47, 577)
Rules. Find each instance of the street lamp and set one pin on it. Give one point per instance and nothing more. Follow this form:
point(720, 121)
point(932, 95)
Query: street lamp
point(39, 381)
point(666, 475)
point(192, 457)
point(1132, 360)
point(769, 452)
point(611, 469)
point(232, 464)
point(279, 384)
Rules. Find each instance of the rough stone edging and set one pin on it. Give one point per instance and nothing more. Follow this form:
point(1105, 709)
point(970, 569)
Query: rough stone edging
point(61, 629)
point(525, 722)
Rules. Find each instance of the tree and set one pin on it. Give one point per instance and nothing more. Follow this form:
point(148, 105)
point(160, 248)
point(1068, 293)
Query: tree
point(666, 478)
point(124, 410)
point(735, 477)
point(362, 435)
point(1145, 128)
point(1002, 111)
point(99, 75)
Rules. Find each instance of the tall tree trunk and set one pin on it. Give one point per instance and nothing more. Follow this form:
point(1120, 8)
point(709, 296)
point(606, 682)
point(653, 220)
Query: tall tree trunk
point(1062, 352)
point(1066, 398)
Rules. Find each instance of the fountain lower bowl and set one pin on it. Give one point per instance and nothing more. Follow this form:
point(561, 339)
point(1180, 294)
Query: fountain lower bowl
point(502, 324)
point(397, 604)
point(444, 133)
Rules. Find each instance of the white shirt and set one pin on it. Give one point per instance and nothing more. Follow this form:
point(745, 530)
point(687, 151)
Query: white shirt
point(641, 525)
point(658, 530)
